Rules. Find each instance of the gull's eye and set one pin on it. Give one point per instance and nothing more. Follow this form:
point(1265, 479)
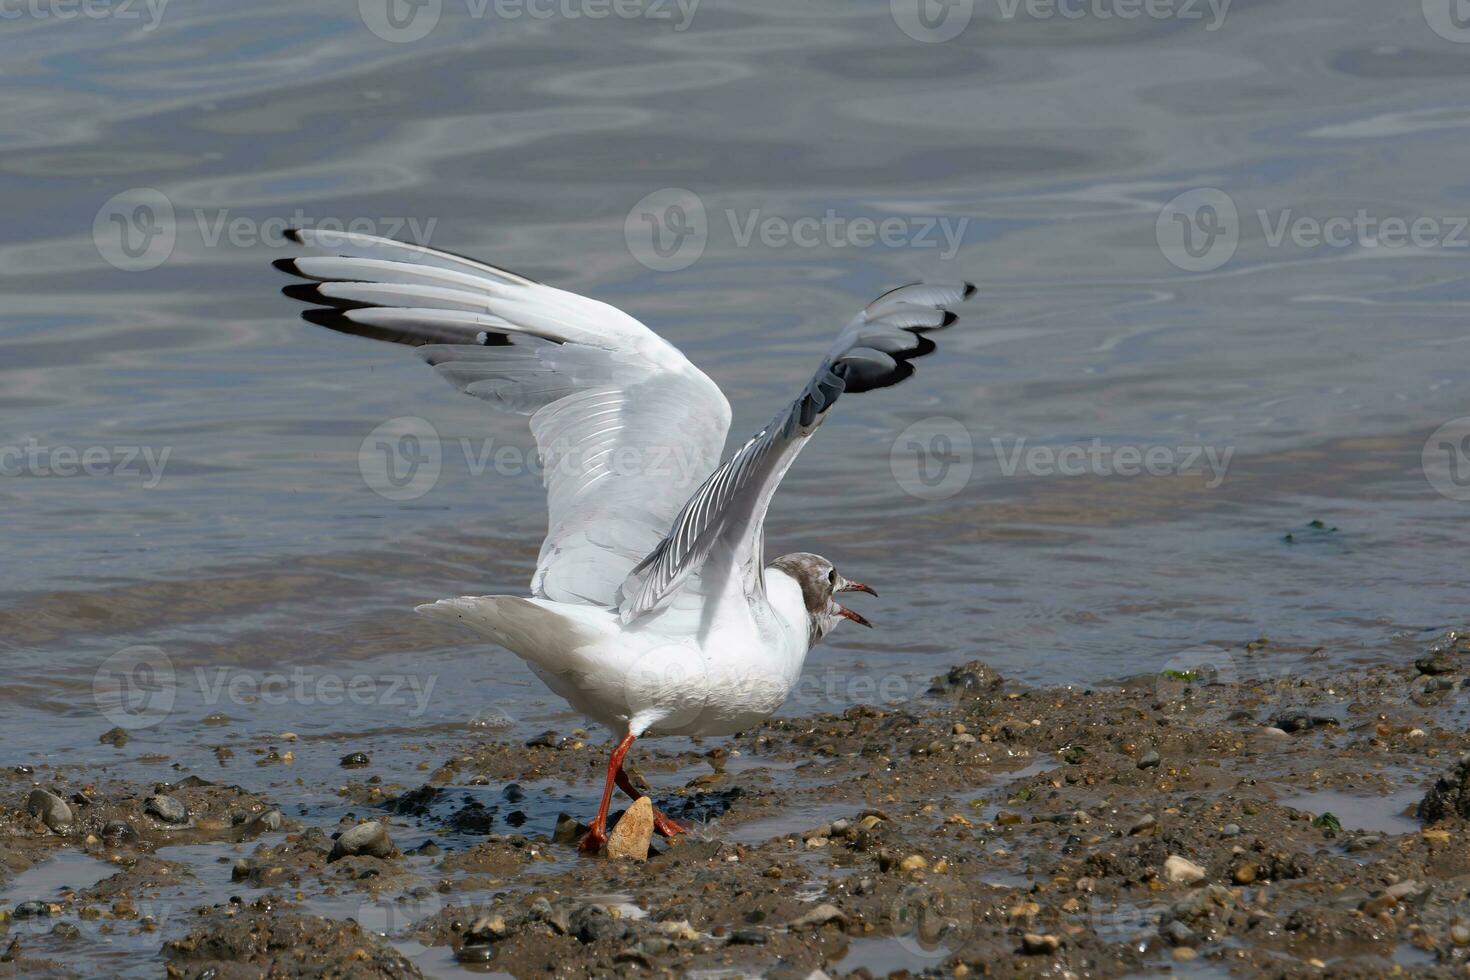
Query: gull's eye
point(832, 577)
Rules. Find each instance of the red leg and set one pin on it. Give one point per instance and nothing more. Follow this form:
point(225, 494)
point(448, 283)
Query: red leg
point(663, 825)
point(597, 833)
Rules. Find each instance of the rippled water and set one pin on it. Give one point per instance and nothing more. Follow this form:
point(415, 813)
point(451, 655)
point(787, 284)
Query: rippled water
point(226, 522)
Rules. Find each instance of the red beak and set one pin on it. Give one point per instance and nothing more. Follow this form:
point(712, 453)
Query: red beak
point(847, 613)
point(857, 587)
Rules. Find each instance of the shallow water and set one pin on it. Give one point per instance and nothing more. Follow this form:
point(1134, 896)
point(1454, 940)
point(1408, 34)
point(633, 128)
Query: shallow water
point(266, 580)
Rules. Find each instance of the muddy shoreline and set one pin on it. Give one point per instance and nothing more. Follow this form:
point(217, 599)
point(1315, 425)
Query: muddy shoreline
point(1197, 821)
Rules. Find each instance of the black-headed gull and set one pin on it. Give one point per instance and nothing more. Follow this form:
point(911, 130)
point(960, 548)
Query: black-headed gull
point(652, 609)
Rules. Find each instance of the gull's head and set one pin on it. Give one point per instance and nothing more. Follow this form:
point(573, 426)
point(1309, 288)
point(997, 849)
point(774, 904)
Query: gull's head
point(821, 583)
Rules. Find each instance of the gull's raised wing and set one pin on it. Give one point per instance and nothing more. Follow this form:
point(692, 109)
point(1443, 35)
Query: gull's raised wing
point(721, 524)
point(626, 426)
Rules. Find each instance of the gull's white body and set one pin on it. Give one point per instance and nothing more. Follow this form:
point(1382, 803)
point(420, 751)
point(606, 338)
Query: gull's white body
point(652, 609)
point(643, 680)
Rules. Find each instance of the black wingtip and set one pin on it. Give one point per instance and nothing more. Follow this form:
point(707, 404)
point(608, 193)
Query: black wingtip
point(288, 266)
point(950, 319)
point(968, 292)
point(294, 234)
point(305, 292)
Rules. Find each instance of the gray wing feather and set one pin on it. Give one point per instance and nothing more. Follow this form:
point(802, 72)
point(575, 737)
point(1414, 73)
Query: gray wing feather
point(728, 510)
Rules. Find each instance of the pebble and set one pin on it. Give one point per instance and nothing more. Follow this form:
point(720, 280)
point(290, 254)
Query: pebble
point(546, 740)
point(1230, 830)
point(116, 832)
point(1182, 871)
point(818, 917)
point(1245, 874)
point(1179, 934)
point(633, 833)
point(355, 760)
point(1435, 663)
point(1143, 825)
point(166, 809)
point(569, 830)
point(593, 923)
point(1460, 934)
point(52, 810)
point(1037, 944)
point(914, 862)
point(31, 910)
point(749, 937)
point(117, 737)
point(370, 838)
point(475, 953)
point(270, 820)
point(1149, 760)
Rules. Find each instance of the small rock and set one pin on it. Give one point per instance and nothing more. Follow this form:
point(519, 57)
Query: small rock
point(355, 760)
point(633, 833)
point(1149, 760)
point(31, 910)
point(1143, 825)
point(749, 937)
point(1245, 874)
point(475, 953)
point(116, 737)
point(914, 862)
point(1177, 933)
point(51, 809)
point(1230, 830)
point(1292, 722)
point(974, 676)
point(546, 740)
point(1460, 934)
point(1037, 944)
point(166, 809)
point(370, 838)
point(569, 830)
point(1449, 796)
point(266, 822)
point(488, 928)
point(118, 832)
point(818, 917)
point(1182, 871)
point(1436, 663)
point(593, 923)
point(1379, 903)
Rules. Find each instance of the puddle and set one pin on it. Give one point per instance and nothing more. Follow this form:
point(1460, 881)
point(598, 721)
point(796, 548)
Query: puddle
point(1380, 814)
point(882, 955)
point(66, 870)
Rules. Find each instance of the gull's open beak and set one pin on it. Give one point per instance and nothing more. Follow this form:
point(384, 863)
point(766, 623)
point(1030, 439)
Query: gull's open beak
point(850, 586)
point(847, 613)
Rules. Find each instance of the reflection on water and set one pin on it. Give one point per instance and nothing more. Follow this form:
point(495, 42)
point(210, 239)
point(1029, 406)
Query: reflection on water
point(1052, 146)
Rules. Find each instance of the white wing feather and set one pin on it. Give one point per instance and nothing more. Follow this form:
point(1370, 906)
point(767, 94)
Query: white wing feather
point(626, 426)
